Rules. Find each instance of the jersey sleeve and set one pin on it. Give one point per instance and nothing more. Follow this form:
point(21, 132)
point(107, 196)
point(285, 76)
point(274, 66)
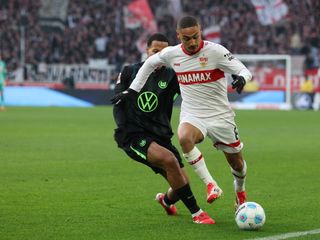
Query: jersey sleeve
point(152, 62)
point(122, 84)
point(123, 80)
point(229, 64)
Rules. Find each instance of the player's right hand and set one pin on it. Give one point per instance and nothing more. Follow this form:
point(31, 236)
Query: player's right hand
point(238, 83)
point(122, 96)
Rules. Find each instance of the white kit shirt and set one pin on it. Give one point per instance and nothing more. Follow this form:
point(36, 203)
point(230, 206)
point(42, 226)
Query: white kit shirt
point(201, 77)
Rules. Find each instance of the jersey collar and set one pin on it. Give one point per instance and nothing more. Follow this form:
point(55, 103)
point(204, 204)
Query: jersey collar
point(190, 54)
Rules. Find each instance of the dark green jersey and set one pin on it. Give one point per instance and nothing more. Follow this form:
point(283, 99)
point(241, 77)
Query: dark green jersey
point(150, 112)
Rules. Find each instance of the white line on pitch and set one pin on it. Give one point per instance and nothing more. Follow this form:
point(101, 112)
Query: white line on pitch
point(288, 235)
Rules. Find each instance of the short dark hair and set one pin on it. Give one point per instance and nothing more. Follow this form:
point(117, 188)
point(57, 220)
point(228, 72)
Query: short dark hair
point(157, 37)
point(187, 21)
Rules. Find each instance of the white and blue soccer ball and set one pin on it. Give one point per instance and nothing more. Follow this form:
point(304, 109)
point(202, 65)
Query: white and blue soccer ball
point(250, 216)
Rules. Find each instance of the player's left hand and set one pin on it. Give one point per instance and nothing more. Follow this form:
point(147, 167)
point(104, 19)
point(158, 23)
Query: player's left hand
point(129, 93)
point(238, 83)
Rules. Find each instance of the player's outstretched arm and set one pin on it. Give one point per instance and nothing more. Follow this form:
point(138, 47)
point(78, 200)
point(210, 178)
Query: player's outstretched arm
point(151, 64)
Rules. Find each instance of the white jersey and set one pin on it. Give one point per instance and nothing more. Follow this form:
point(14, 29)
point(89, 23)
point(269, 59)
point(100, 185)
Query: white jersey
point(201, 77)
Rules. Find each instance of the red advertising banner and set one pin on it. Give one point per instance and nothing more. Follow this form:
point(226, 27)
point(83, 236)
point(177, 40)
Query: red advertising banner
point(275, 79)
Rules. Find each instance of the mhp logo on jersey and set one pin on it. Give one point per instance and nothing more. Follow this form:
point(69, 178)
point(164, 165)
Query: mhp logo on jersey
point(147, 101)
point(195, 77)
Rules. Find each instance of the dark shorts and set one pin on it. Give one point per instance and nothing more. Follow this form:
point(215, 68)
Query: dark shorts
point(137, 149)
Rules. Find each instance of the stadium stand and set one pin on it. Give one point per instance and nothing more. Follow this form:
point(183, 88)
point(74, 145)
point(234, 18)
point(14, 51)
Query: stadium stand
point(95, 29)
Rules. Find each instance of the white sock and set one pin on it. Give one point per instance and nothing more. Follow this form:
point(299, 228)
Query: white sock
point(240, 178)
point(197, 213)
point(195, 159)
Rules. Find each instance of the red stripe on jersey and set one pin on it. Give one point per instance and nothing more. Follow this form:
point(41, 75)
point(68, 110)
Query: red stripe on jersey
point(234, 145)
point(196, 77)
point(190, 54)
point(197, 160)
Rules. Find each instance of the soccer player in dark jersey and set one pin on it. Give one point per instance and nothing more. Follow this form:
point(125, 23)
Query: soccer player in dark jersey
point(3, 75)
point(144, 130)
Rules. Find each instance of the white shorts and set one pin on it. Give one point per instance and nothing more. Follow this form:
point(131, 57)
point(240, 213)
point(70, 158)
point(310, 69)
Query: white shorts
point(222, 131)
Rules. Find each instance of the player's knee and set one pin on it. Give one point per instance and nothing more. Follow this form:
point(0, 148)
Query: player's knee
point(186, 142)
point(170, 161)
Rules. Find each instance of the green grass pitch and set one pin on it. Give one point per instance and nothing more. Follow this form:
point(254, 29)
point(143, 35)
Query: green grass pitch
point(62, 177)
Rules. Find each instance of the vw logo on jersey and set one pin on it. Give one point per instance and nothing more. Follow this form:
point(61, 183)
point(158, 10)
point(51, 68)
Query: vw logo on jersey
point(162, 84)
point(147, 101)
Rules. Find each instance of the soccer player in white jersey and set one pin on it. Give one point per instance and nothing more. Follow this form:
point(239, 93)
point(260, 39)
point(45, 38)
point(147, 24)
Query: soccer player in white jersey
point(205, 111)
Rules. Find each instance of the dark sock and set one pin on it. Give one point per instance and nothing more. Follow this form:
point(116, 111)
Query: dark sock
point(186, 196)
point(169, 201)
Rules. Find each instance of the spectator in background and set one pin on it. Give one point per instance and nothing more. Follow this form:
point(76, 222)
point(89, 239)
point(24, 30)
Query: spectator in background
point(3, 76)
point(251, 86)
point(305, 98)
point(295, 43)
point(307, 85)
point(101, 44)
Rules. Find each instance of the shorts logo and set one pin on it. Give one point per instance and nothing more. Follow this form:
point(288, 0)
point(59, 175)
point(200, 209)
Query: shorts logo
point(162, 84)
point(147, 101)
point(142, 143)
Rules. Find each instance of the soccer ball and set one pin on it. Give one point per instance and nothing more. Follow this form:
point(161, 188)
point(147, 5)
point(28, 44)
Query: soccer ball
point(250, 216)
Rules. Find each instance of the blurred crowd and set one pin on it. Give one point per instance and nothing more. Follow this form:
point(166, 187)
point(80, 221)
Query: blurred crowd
point(95, 29)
